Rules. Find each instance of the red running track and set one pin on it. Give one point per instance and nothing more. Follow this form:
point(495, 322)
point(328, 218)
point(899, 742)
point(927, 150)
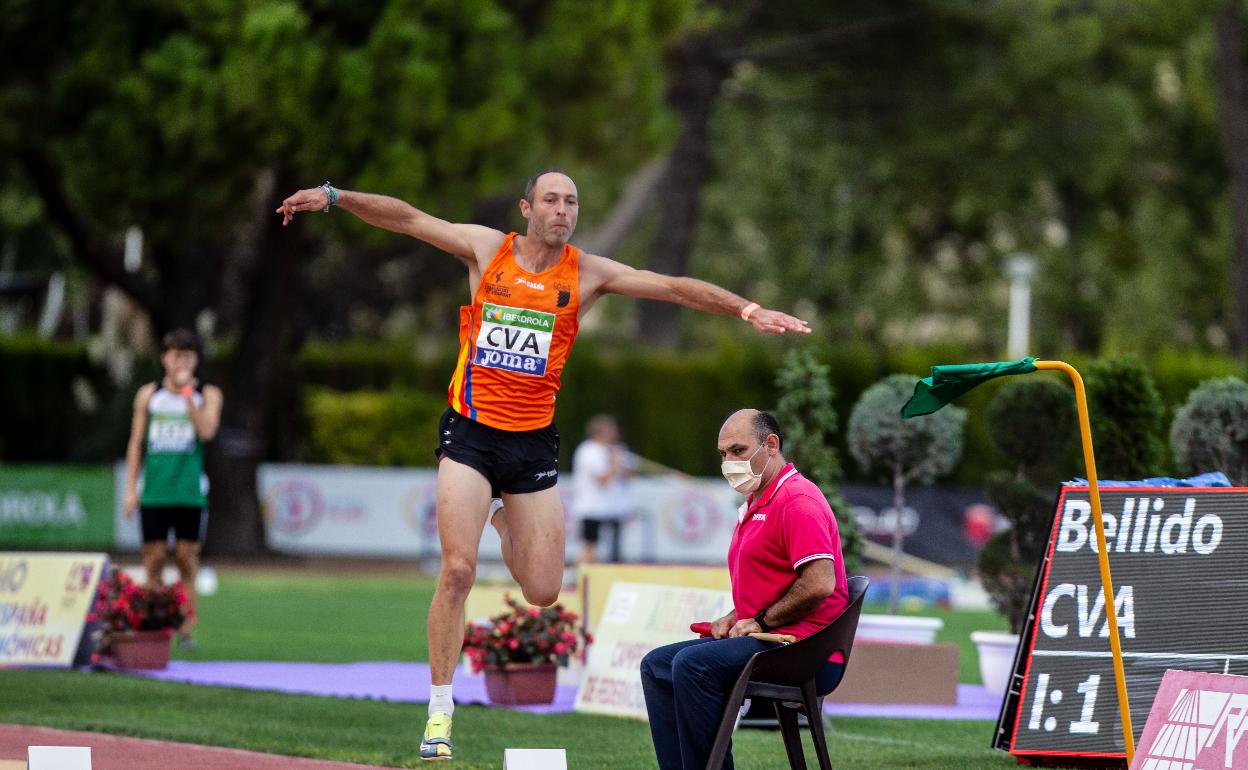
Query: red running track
point(113, 752)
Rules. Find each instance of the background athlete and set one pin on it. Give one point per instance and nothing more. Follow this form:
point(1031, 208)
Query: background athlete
point(498, 438)
point(173, 418)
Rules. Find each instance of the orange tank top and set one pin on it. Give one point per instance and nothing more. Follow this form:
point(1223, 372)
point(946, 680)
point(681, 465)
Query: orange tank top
point(513, 341)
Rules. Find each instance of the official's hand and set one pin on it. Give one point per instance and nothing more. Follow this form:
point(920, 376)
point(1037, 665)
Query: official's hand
point(312, 199)
point(720, 628)
point(131, 505)
point(775, 322)
point(743, 627)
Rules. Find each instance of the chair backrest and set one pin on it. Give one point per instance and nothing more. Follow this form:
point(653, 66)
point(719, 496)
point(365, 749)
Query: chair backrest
point(796, 663)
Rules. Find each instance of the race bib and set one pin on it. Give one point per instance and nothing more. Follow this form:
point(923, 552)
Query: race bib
point(515, 339)
point(170, 434)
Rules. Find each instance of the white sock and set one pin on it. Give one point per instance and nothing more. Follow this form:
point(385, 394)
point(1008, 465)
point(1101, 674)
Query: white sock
point(440, 700)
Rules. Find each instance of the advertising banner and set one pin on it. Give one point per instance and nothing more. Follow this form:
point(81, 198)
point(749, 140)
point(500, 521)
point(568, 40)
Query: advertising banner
point(349, 511)
point(639, 617)
point(354, 511)
point(1197, 720)
point(56, 506)
point(1177, 556)
point(44, 601)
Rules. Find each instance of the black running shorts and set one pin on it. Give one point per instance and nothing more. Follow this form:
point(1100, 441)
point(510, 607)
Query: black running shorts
point(514, 462)
point(186, 522)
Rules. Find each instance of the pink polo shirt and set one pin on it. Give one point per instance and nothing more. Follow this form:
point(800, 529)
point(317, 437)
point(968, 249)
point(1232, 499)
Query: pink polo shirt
point(786, 525)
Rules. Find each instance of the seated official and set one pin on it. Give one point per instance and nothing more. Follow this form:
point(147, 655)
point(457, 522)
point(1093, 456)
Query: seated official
point(787, 576)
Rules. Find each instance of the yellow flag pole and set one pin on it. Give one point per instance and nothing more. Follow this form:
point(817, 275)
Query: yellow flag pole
point(1094, 493)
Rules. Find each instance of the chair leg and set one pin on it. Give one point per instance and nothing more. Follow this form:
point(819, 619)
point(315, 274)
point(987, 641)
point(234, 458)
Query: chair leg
point(787, 718)
point(723, 736)
point(814, 717)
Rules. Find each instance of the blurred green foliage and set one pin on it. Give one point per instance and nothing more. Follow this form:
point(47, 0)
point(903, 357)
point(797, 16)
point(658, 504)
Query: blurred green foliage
point(1129, 437)
point(670, 405)
point(395, 427)
point(812, 439)
point(1210, 430)
point(1033, 422)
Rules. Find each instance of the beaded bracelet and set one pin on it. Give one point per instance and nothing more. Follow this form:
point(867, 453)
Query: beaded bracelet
point(331, 195)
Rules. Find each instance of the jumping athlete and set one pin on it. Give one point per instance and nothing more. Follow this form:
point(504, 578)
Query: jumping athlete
point(498, 438)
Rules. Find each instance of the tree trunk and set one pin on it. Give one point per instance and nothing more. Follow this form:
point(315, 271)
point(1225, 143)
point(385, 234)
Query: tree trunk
point(1233, 98)
point(266, 264)
point(697, 72)
point(899, 505)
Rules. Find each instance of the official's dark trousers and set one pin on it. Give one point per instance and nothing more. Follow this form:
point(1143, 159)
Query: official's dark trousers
point(686, 685)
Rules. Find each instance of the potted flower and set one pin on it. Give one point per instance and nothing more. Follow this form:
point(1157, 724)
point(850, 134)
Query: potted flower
point(520, 651)
point(135, 623)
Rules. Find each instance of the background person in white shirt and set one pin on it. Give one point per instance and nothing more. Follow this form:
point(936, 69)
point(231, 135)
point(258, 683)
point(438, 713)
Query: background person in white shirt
point(601, 467)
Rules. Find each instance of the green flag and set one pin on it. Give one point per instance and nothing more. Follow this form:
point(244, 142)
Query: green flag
point(949, 382)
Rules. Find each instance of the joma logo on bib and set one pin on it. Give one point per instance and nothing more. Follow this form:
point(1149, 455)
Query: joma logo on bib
point(515, 339)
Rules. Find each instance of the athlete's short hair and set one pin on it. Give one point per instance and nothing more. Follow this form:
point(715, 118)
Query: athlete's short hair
point(179, 339)
point(528, 187)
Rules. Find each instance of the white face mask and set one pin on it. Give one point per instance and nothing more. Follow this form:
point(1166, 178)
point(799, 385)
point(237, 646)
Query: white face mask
point(740, 473)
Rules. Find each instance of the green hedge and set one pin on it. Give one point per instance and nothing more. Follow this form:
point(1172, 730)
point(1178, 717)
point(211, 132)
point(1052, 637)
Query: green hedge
point(41, 418)
point(670, 405)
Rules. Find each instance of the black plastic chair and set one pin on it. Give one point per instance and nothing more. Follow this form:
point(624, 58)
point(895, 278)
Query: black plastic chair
point(786, 676)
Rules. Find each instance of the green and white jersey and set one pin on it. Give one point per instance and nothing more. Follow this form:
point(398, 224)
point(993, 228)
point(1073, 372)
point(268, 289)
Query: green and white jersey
point(173, 470)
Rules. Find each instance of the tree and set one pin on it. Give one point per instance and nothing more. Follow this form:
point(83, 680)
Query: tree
point(192, 121)
point(1128, 413)
point(1210, 430)
point(1032, 422)
point(907, 451)
point(1232, 78)
point(886, 188)
point(805, 412)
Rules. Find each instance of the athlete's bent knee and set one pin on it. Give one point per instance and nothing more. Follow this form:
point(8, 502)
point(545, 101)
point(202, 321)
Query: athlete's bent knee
point(540, 596)
point(456, 577)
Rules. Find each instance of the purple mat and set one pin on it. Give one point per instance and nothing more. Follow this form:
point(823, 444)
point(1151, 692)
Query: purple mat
point(409, 683)
point(378, 680)
point(974, 702)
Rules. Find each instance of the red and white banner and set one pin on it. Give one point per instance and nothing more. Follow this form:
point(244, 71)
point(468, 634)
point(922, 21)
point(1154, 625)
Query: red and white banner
point(1197, 721)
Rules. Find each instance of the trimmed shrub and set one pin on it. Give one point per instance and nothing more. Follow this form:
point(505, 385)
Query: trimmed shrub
point(1033, 422)
point(806, 415)
point(369, 427)
point(1128, 419)
point(1210, 431)
point(901, 451)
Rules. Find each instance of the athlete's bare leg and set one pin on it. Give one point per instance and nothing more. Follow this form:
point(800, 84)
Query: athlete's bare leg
point(155, 554)
point(463, 502)
point(532, 530)
point(186, 556)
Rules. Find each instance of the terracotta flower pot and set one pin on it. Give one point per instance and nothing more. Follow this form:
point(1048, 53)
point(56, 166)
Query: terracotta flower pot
point(521, 684)
point(141, 649)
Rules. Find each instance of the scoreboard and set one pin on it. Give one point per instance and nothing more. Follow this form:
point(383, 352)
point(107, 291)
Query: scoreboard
point(1179, 558)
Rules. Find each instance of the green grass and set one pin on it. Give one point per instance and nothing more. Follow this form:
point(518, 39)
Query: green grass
point(318, 618)
point(343, 617)
point(379, 733)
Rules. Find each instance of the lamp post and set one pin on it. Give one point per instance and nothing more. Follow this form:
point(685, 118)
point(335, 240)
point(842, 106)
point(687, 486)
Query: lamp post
point(1020, 269)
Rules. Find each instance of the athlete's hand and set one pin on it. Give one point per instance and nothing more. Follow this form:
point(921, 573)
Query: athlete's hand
point(131, 504)
point(775, 322)
point(312, 199)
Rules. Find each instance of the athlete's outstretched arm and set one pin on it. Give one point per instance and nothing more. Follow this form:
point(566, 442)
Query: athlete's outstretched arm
point(465, 241)
point(618, 278)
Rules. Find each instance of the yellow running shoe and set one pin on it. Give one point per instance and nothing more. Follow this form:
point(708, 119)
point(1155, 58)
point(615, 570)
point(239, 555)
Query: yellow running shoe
point(436, 744)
